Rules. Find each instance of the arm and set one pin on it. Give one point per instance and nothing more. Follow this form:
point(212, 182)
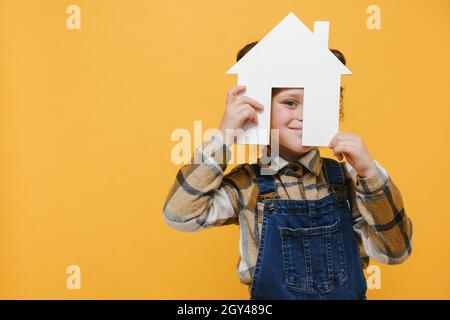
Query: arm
point(380, 217)
point(198, 198)
point(201, 196)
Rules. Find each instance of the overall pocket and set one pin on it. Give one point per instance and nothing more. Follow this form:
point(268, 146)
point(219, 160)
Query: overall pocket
point(314, 258)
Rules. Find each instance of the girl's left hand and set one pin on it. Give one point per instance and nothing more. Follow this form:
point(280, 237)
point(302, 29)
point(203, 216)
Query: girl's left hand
point(355, 152)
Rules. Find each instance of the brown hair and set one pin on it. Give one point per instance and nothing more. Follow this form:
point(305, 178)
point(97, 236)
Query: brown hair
point(336, 52)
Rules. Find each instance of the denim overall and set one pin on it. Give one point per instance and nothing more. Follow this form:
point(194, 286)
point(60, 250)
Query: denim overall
point(308, 248)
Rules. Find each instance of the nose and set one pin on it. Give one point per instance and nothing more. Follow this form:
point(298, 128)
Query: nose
point(299, 113)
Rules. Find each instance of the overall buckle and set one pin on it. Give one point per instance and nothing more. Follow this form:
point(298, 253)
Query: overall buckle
point(269, 200)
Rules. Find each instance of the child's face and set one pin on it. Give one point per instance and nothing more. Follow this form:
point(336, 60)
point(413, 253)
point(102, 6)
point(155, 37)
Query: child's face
point(287, 117)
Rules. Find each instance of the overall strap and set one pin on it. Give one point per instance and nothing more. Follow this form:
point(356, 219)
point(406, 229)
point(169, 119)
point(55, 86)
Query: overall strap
point(334, 176)
point(266, 184)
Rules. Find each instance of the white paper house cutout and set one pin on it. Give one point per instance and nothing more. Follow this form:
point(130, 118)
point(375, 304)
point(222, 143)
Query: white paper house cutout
point(292, 56)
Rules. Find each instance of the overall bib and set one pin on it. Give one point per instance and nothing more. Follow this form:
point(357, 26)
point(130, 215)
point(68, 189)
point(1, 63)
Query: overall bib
point(308, 248)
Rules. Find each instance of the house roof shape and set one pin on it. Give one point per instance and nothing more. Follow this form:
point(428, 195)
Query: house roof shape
point(291, 54)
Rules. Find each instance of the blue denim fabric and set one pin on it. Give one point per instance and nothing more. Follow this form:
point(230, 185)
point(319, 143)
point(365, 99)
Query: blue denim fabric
point(308, 248)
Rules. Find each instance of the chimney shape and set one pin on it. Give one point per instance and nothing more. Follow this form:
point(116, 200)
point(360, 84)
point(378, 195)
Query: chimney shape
point(321, 29)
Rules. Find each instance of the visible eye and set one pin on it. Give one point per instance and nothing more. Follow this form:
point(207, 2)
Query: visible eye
point(291, 103)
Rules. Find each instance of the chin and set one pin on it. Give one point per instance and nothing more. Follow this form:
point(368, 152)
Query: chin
point(302, 149)
point(294, 149)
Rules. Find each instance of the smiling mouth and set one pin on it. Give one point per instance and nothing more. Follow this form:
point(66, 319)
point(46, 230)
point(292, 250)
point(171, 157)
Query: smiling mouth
point(298, 129)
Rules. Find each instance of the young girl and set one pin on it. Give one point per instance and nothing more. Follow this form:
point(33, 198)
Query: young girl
point(308, 230)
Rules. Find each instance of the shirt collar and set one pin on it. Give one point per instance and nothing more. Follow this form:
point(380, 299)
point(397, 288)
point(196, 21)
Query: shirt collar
point(310, 160)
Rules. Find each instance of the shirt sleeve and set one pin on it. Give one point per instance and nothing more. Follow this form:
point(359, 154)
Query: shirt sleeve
point(379, 216)
point(199, 197)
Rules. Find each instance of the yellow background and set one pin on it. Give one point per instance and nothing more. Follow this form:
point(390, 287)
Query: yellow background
point(86, 119)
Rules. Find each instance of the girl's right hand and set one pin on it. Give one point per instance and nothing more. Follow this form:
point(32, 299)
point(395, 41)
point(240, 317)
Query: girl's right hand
point(238, 112)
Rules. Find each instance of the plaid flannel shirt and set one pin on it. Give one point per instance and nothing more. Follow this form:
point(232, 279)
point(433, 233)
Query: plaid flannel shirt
point(202, 197)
